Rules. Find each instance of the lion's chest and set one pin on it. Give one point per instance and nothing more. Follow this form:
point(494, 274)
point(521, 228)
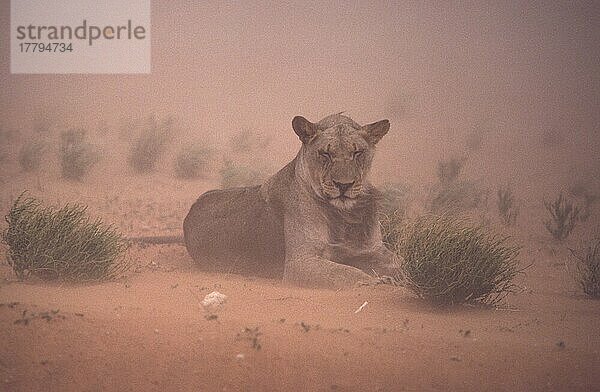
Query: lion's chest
point(357, 235)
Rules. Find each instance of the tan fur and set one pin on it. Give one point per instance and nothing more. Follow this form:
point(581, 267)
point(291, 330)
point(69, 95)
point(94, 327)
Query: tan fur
point(313, 223)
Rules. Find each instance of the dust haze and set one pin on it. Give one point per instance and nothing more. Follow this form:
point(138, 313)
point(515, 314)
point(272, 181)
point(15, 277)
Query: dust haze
point(510, 89)
point(438, 72)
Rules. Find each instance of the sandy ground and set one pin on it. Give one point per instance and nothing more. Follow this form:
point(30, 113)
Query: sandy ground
point(148, 332)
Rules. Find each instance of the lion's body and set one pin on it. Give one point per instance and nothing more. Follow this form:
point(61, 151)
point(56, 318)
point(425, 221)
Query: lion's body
point(294, 226)
point(234, 230)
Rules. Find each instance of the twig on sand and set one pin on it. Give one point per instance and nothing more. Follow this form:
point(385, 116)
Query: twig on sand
point(361, 307)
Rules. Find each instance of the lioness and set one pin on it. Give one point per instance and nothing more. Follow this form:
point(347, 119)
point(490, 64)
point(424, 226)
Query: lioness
point(313, 223)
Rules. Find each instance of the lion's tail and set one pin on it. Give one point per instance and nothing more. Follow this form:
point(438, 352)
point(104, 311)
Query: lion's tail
point(158, 240)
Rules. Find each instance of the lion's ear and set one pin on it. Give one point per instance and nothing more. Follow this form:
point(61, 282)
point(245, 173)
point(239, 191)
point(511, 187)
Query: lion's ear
point(374, 132)
point(304, 128)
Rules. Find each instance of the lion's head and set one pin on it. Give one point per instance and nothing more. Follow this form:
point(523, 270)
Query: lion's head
point(336, 156)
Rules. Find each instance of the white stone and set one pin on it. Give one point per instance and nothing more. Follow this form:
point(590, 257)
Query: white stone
point(214, 300)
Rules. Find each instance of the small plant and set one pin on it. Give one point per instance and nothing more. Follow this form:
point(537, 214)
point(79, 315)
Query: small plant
point(449, 261)
point(77, 156)
point(150, 145)
point(191, 161)
point(450, 193)
point(236, 176)
point(588, 198)
point(588, 268)
point(449, 170)
point(390, 224)
point(456, 197)
point(30, 155)
point(247, 141)
point(564, 214)
point(507, 208)
point(61, 244)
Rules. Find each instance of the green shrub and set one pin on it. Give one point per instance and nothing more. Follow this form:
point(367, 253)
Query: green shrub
point(30, 155)
point(237, 176)
point(77, 156)
point(150, 145)
point(191, 161)
point(564, 215)
point(507, 208)
point(390, 224)
point(588, 268)
point(448, 261)
point(61, 244)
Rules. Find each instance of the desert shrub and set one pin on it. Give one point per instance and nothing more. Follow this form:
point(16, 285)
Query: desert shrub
point(247, 141)
point(507, 208)
point(233, 176)
point(456, 197)
point(564, 215)
point(448, 261)
point(587, 198)
point(451, 193)
point(390, 224)
point(588, 268)
point(77, 156)
point(30, 155)
point(191, 161)
point(61, 244)
point(150, 145)
point(449, 170)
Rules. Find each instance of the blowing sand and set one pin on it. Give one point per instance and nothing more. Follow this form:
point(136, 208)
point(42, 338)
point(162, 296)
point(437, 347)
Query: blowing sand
point(148, 331)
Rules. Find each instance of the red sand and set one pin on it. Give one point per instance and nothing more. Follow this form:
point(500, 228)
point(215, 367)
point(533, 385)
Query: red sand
point(147, 330)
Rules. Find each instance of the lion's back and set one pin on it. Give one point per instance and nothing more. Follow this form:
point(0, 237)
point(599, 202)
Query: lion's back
point(234, 230)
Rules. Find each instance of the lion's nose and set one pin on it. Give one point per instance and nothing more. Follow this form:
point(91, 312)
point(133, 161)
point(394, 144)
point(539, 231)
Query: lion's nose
point(343, 186)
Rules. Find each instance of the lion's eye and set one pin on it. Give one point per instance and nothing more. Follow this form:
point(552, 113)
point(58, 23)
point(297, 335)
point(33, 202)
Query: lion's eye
point(358, 154)
point(325, 154)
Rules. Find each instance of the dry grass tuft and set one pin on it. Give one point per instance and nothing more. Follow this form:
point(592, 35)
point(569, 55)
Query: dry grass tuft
point(451, 193)
point(77, 156)
point(564, 215)
point(192, 161)
point(449, 261)
point(507, 206)
point(150, 145)
point(588, 268)
point(30, 155)
point(61, 244)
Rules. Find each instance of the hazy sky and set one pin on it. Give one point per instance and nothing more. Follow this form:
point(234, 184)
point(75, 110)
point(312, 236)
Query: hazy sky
point(435, 69)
